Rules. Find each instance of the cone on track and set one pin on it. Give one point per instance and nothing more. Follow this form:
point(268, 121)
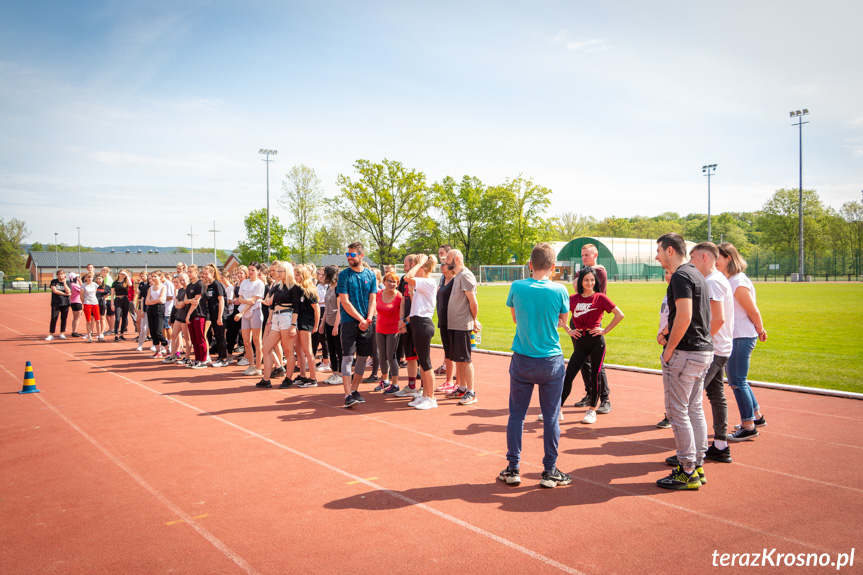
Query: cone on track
point(29, 380)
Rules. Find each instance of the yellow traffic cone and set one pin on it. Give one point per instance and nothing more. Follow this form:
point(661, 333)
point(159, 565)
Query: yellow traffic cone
point(29, 380)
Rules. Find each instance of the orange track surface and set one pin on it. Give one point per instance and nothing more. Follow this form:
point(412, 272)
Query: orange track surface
point(124, 465)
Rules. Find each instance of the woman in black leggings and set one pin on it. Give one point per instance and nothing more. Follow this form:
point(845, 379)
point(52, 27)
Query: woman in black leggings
point(120, 288)
point(422, 328)
point(585, 329)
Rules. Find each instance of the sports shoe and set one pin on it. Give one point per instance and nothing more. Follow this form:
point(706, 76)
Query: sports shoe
point(116, 338)
point(251, 371)
point(701, 477)
point(584, 402)
point(307, 382)
point(182, 361)
point(62, 336)
point(510, 476)
point(554, 478)
point(199, 365)
point(109, 332)
point(122, 337)
point(277, 372)
point(589, 417)
point(403, 363)
point(381, 386)
point(220, 363)
point(152, 348)
point(721, 455)
point(604, 407)
point(679, 480)
point(559, 416)
point(760, 422)
point(392, 389)
point(441, 370)
point(371, 379)
point(446, 387)
point(664, 424)
point(49, 338)
point(350, 400)
point(334, 379)
point(139, 348)
point(358, 397)
point(169, 359)
point(743, 435)
point(288, 383)
point(468, 398)
point(456, 394)
point(417, 400)
point(325, 369)
point(157, 355)
point(264, 384)
point(75, 334)
point(427, 403)
point(243, 361)
point(408, 391)
point(101, 337)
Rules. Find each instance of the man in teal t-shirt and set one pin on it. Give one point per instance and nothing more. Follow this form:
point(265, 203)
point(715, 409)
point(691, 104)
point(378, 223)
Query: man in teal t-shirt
point(538, 307)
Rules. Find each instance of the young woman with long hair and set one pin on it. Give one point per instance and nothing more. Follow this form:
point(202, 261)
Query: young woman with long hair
point(747, 331)
point(330, 325)
point(180, 327)
point(387, 333)
point(197, 315)
point(281, 301)
point(422, 327)
point(252, 292)
point(141, 307)
point(91, 308)
point(585, 328)
point(216, 307)
point(155, 300)
point(318, 337)
point(120, 289)
point(307, 313)
point(60, 293)
point(75, 302)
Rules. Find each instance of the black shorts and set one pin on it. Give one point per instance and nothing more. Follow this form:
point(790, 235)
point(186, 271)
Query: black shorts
point(356, 341)
point(306, 323)
point(102, 308)
point(77, 306)
point(173, 316)
point(109, 308)
point(445, 341)
point(407, 343)
point(459, 346)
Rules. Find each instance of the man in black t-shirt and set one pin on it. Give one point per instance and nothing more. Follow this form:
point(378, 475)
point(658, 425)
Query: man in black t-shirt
point(685, 359)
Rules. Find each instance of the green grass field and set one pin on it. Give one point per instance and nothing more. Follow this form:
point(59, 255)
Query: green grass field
point(815, 331)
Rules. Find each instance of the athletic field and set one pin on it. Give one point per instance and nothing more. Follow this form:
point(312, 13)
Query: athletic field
point(814, 330)
point(123, 465)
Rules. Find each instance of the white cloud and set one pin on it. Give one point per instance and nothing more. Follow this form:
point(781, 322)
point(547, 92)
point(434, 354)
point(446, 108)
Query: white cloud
point(592, 44)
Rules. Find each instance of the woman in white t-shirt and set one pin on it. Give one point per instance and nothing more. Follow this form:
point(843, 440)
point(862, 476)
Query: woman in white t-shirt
point(422, 328)
point(249, 307)
point(748, 329)
point(155, 301)
point(91, 307)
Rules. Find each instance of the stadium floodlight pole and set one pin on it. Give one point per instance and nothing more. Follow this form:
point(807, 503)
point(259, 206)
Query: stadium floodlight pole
point(708, 171)
point(799, 115)
point(79, 249)
point(56, 256)
point(268, 153)
point(192, 235)
point(214, 230)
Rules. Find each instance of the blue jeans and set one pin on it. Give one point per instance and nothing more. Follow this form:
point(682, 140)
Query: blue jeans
point(524, 373)
point(737, 369)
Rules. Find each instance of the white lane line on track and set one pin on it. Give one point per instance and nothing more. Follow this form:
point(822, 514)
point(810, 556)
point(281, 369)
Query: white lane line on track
point(616, 488)
point(175, 509)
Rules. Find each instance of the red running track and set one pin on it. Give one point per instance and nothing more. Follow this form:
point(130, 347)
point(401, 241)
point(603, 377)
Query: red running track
point(124, 465)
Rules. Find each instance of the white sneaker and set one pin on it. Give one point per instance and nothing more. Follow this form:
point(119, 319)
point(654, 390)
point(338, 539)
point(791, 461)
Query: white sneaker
point(139, 348)
point(406, 392)
point(417, 400)
point(152, 348)
point(101, 338)
point(325, 369)
point(370, 362)
point(62, 336)
point(589, 417)
point(418, 392)
point(334, 379)
point(251, 371)
point(243, 361)
point(427, 403)
point(49, 338)
point(220, 363)
point(559, 416)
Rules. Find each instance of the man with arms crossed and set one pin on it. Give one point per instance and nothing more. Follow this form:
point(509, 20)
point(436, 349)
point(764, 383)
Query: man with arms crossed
point(538, 307)
point(685, 359)
point(356, 290)
point(461, 320)
point(589, 253)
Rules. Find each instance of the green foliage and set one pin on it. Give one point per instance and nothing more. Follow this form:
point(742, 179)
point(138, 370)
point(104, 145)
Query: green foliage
point(568, 226)
point(302, 196)
point(469, 208)
point(384, 202)
point(254, 248)
point(529, 202)
point(12, 233)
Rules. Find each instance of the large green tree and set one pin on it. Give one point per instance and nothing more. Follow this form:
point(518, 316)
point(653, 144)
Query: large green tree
point(469, 208)
point(254, 247)
point(302, 196)
point(529, 202)
point(12, 233)
point(568, 226)
point(384, 201)
point(780, 223)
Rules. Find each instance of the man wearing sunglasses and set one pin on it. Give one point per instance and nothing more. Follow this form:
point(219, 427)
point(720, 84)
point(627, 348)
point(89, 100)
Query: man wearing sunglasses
point(356, 290)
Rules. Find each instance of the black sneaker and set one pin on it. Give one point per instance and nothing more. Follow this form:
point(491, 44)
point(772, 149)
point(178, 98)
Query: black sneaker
point(510, 476)
point(721, 455)
point(403, 364)
point(664, 424)
point(554, 478)
point(672, 461)
point(287, 384)
point(679, 480)
point(75, 334)
point(358, 397)
point(351, 401)
point(743, 434)
point(277, 373)
point(760, 422)
point(585, 401)
point(307, 382)
point(116, 338)
point(371, 379)
point(122, 337)
point(264, 384)
point(604, 407)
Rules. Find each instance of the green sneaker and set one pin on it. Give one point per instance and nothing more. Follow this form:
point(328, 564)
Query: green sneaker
point(679, 480)
point(701, 477)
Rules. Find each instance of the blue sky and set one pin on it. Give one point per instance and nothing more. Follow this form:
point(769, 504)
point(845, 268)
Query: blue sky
point(138, 120)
